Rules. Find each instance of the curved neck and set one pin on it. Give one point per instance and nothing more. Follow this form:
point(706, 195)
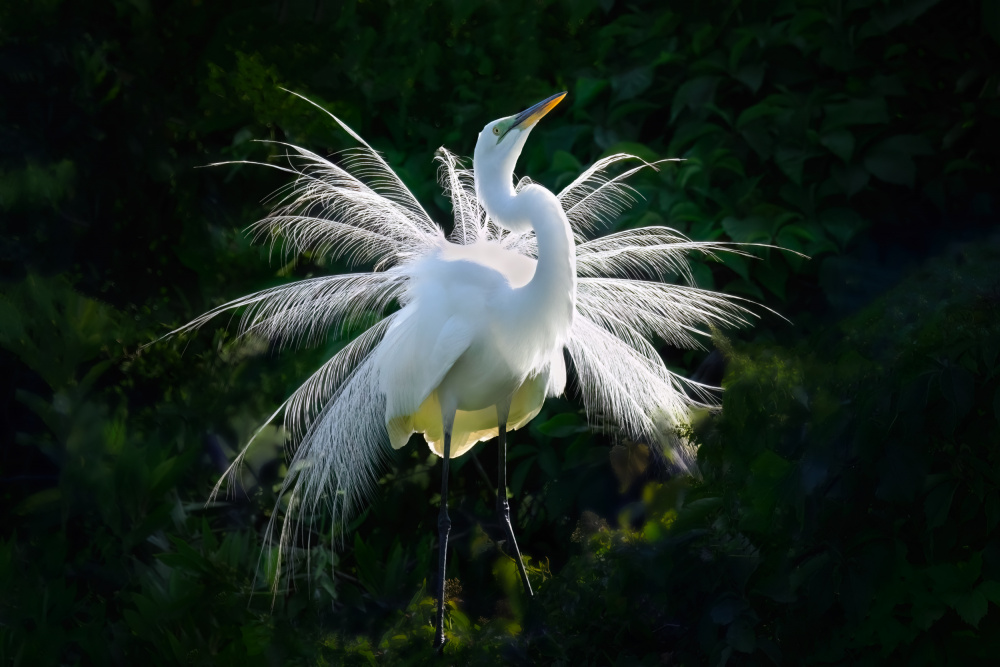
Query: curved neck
point(556, 269)
point(549, 299)
point(494, 186)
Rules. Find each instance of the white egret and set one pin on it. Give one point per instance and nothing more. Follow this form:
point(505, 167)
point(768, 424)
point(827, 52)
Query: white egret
point(485, 315)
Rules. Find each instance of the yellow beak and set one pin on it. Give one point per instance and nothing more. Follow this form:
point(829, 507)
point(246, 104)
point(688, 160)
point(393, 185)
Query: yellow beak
point(530, 116)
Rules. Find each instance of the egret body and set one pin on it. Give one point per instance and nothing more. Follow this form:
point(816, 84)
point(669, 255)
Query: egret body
point(483, 327)
point(481, 341)
point(485, 318)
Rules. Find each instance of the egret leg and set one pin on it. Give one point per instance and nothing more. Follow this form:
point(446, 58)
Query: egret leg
point(503, 507)
point(444, 525)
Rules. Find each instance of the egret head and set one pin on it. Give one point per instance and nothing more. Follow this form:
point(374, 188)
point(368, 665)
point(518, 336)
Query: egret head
point(500, 144)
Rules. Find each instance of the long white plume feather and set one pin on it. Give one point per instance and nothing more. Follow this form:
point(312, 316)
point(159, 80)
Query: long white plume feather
point(386, 182)
point(594, 200)
point(304, 312)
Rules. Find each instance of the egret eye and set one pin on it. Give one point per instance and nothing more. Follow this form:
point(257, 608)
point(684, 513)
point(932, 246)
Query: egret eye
point(496, 130)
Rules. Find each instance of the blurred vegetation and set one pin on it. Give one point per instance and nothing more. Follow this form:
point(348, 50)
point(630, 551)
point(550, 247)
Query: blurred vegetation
point(849, 495)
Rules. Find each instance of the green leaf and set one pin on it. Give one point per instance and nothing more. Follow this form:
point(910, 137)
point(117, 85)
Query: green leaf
point(756, 112)
point(564, 425)
point(686, 211)
point(908, 144)
point(745, 287)
point(803, 19)
point(855, 112)
point(808, 571)
point(693, 94)
point(696, 513)
point(548, 461)
point(745, 39)
point(371, 569)
point(563, 161)
point(971, 607)
point(630, 84)
point(956, 577)
point(521, 474)
point(737, 263)
point(751, 75)
point(730, 163)
point(702, 275)
point(256, 638)
point(851, 178)
point(632, 112)
point(843, 224)
point(691, 172)
point(727, 609)
point(926, 608)
point(690, 132)
point(701, 37)
point(770, 466)
point(754, 229)
point(773, 274)
point(791, 160)
point(894, 50)
point(938, 504)
point(42, 501)
point(37, 186)
point(960, 164)
point(803, 231)
point(760, 141)
point(990, 590)
point(742, 637)
point(887, 85)
point(135, 622)
point(891, 633)
point(208, 541)
point(892, 160)
point(766, 472)
point(893, 15)
point(161, 479)
point(840, 143)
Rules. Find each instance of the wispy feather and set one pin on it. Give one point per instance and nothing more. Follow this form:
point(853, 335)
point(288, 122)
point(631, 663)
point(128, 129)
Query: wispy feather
point(306, 311)
point(594, 199)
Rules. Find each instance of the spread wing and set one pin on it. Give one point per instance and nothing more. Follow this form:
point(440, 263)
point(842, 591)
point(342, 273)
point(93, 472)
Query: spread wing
point(413, 359)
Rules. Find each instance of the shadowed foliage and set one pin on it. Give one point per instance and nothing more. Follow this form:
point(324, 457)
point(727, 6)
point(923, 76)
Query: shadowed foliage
point(848, 500)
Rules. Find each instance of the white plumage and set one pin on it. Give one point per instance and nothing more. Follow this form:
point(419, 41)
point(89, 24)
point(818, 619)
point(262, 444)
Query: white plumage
point(484, 314)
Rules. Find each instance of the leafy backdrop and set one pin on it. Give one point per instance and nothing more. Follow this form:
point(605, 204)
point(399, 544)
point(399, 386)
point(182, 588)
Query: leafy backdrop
point(849, 499)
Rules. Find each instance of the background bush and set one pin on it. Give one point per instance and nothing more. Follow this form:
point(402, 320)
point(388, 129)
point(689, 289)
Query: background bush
point(849, 497)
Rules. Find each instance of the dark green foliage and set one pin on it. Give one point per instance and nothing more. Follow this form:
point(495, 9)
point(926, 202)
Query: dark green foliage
point(861, 467)
point(848, 505)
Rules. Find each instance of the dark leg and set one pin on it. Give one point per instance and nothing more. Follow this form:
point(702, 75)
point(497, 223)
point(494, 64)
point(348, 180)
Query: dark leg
point(503, 507)
point(444, 527)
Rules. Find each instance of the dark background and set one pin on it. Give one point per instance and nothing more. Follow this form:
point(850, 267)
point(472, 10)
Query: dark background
point(849, 495)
